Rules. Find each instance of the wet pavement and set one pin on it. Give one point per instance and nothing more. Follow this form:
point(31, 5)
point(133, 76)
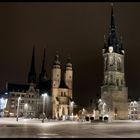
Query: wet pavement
point(9, 128)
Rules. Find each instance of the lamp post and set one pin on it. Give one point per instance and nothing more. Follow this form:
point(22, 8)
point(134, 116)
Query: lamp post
point(44, 96)
point(19, 98)
point(100, 106)
point(72, 106)
point(104, 108)
point(26, 108)
point(83, 114)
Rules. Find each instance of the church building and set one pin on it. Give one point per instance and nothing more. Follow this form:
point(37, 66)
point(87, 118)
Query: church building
point(58, 89)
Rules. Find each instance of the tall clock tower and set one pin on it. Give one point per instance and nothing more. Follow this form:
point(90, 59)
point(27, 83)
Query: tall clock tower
point(114, 92)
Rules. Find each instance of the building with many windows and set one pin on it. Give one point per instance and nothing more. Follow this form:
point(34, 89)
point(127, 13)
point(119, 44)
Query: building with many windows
point(134, 109)
point(56, 104)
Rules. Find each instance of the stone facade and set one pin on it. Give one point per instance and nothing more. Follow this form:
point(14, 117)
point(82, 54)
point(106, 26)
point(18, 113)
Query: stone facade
point(134, 109)
point(28, 105)
point(114, 92)
point(42, 96)
point(61, 89)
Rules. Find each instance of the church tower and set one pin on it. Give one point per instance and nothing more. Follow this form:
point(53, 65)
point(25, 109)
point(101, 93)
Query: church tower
point(56, 72)
point(114, 92)
point(32, 73)
point(56, 78)
point(68, 76)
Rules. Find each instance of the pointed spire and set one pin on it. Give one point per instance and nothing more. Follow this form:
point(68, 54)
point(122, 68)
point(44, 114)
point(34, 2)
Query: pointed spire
point(42, 75)
point(112, 40)
point(32, 73)
point(32, 68)
point(43, 62)
point(112, 18)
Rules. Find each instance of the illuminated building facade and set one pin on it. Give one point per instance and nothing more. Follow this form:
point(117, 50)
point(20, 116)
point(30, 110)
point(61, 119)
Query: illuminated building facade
point(134, 110)
point(114, 93)
point(59, 92)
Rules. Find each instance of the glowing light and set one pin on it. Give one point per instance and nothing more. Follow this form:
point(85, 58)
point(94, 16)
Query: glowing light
point(3, 103)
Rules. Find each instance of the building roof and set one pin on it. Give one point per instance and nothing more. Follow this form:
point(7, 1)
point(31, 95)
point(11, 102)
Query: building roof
point(113, 40)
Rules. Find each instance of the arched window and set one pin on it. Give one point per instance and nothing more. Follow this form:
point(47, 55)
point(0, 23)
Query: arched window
point(111, 79)
point(105, 63)
point(119, 64)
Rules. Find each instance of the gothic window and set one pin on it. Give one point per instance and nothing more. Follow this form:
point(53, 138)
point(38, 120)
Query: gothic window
point(111, 79)
point(111, 61)
point(105, 63)
point(119, 64)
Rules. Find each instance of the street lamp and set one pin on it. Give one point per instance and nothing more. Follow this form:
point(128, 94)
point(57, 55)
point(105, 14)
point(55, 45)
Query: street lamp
point(72, 106)
point(83, 114)
point(44, 96)
point(26, 108)
point(104, 107)
point(19, 98)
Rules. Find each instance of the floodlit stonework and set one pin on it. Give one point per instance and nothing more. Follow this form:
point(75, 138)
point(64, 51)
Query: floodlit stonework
point(61, 89)
point(114, 92)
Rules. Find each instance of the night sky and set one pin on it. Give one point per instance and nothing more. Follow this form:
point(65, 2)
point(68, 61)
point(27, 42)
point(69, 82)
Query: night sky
point(75, 29)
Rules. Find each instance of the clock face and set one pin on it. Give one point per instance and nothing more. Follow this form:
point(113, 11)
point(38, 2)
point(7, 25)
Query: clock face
point(110, 49)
